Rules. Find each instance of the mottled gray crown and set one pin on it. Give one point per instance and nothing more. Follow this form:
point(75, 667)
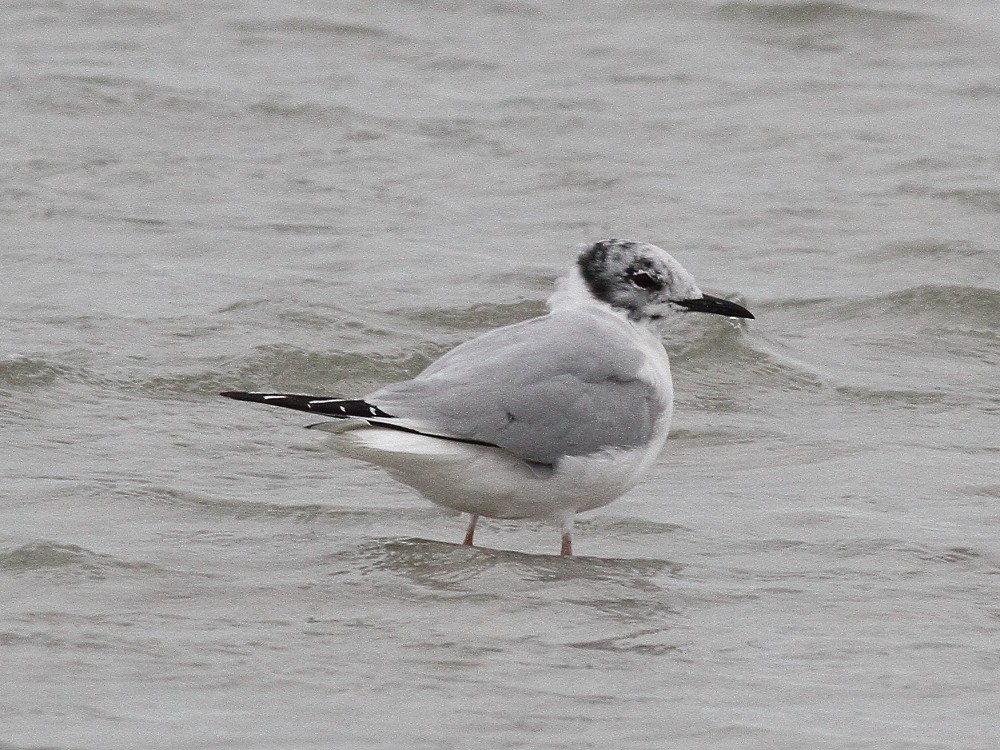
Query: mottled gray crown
point(637, 277)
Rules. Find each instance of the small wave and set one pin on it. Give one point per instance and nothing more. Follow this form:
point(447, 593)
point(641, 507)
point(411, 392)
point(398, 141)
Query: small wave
point(124, 14)
point(67, 559)
point(982, 198)
point(353, 125)
point(29, 372)
point(242, 508)
point(895, 555)
point(290, 364)
point(812, 13)
point(928, 250)
point(959, 557)
point(444, 565)
point(927, 303)
point(291, 369)
point(882, 354)
point(834, 27)
point(302, 26)
point(479, 317)
point(979, 91)
point(629, 526)
point(645, 642)
point(720, 351)
point(102, 94)
point(301, 228)
point(931, 302)
point(906, 398)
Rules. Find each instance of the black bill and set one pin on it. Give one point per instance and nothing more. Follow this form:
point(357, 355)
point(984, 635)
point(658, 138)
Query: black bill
point(716, 305)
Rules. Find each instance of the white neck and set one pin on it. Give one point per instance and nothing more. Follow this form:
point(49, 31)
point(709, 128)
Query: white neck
point(571, 291)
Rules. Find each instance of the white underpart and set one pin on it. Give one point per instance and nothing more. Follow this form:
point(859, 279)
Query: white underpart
point(491, 482)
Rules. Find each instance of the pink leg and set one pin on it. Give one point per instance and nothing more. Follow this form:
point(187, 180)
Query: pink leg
point(471, 530)
point(566, 549)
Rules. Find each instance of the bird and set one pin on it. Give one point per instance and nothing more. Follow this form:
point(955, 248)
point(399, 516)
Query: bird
point(541, 419)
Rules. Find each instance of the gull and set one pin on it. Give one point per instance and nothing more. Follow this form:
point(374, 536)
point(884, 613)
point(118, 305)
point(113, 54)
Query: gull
point(542, 419)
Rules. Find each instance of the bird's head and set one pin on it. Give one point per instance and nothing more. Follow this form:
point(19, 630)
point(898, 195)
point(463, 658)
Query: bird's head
point(645, 282)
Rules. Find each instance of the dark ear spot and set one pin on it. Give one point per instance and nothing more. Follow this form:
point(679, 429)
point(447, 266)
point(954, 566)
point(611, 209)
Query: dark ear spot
point(593, 268)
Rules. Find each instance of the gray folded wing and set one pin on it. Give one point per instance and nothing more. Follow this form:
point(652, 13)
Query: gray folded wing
point(565, 384)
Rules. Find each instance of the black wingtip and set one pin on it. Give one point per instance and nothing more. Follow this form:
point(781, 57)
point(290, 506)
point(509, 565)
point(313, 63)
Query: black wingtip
point(271, 399)
point(341, 408)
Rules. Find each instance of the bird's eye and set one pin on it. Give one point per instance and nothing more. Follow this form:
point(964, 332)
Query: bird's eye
point(644, 280)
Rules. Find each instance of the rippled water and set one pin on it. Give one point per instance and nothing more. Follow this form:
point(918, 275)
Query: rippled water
point(324, 198)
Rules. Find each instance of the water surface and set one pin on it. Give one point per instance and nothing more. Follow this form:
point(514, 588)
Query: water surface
point(324, 198)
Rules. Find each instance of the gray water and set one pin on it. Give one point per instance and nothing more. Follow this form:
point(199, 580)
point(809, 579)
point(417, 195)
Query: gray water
point(324, 197)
